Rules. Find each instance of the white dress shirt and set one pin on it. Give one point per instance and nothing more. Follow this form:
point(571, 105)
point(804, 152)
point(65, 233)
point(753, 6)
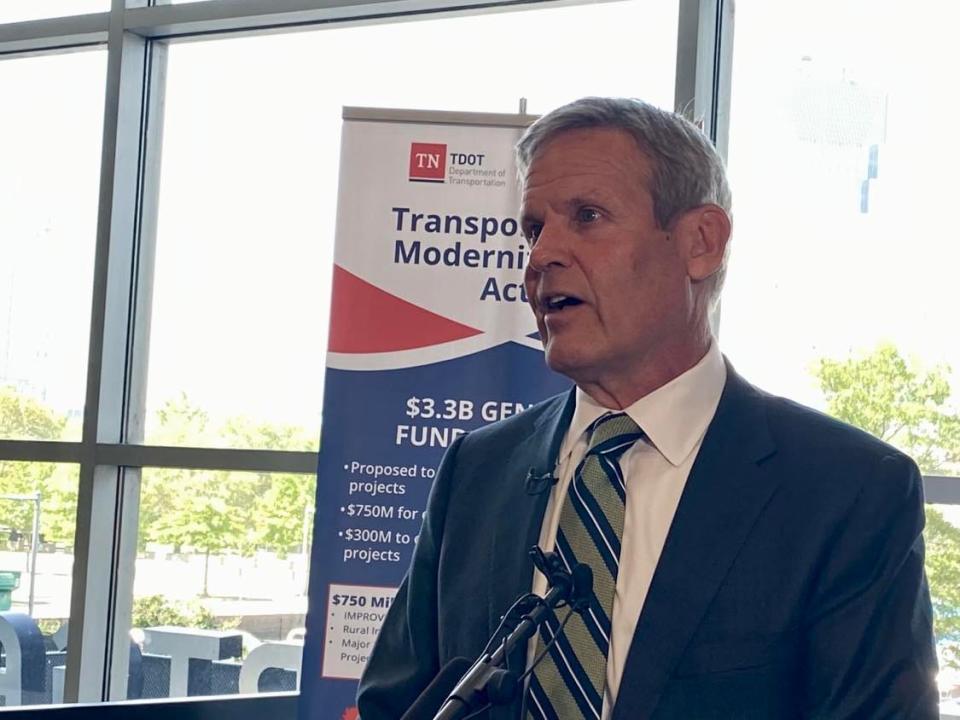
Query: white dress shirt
point(675, 418)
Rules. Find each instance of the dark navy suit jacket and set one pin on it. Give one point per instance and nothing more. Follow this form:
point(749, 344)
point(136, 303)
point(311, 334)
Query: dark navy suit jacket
point(790, 585)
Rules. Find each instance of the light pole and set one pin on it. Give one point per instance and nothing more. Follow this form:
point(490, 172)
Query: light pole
point(305, 544)
point(34, 540)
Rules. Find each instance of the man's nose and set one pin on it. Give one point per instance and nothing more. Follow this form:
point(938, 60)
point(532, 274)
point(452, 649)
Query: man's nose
point(551, 248)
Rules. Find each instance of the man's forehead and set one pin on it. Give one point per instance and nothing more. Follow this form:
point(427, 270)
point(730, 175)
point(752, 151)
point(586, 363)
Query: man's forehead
point(585, 153)
point(596, 170)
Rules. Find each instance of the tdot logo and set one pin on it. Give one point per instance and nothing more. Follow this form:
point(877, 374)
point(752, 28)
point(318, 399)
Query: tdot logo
point(428, 162)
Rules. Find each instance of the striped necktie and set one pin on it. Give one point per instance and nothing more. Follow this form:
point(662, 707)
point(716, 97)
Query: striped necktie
point(569, 683)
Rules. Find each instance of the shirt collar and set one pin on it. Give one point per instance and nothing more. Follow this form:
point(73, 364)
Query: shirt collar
point(675, 416)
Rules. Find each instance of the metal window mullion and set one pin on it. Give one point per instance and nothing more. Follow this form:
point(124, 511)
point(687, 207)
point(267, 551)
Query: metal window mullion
point(33, 36)
point(941, 489)
point(192, 458)
point(146, 189)
point(704, 64)
point(703, 77)
point(40, 451)
point(197, 20)
point(105, 543)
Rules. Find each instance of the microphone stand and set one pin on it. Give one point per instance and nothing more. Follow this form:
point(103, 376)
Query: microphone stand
point(487, 680)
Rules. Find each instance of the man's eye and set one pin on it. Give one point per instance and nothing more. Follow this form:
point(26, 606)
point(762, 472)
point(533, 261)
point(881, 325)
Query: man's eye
point(531, 233)
point(588, 215)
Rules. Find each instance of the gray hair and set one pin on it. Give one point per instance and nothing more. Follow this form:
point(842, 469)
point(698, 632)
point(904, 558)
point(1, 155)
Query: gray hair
point(686, 170)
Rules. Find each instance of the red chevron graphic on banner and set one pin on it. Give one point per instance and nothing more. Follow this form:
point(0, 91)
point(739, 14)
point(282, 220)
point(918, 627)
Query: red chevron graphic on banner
point(366, 319)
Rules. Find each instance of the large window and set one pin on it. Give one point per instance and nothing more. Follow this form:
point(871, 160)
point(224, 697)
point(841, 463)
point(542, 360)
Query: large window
point(221, 566)
point(50, 150)
point(842, 178)
point(38, 507)
point(841, 289)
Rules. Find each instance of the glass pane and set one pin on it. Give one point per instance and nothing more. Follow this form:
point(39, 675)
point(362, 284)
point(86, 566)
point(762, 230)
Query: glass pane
point(942, 536)
point(17, 10)
point(35, 606)
point(49, 175)
point(221, 581)
point(841, 290)
point(249, 182)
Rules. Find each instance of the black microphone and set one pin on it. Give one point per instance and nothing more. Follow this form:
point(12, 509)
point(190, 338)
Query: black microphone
point(582, 587)
point(539, 482)
point(579, 591)
point(430, 699)
point(488, 681)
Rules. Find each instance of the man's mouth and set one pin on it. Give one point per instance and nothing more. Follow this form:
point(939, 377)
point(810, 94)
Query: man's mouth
point(556, 303)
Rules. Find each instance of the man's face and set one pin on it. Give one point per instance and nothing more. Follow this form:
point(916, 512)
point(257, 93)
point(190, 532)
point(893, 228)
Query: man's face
point(609, 288)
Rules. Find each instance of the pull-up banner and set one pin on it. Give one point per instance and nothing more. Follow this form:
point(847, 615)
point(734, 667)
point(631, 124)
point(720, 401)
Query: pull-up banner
point(430, 337)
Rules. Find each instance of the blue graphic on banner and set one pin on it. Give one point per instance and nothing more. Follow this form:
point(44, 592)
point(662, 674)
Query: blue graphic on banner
point(377, 463)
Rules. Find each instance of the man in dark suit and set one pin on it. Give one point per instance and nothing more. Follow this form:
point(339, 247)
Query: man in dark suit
point(752, 558)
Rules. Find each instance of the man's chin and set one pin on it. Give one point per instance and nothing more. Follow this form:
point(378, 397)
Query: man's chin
point(560, 360)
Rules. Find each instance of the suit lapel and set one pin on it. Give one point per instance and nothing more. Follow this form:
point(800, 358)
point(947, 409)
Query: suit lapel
point(521, 511)
point(724, 494)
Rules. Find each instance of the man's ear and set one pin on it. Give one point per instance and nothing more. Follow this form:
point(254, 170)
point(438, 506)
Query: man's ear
point(703, 233)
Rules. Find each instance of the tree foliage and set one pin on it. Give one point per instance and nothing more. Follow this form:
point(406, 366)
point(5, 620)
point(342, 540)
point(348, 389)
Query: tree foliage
point(213, 511)
point(157, 611)
point(22, 417)
point(26, 419)
point(884, 394)
point(888, 397)
point(206, 511)
point(943, 573)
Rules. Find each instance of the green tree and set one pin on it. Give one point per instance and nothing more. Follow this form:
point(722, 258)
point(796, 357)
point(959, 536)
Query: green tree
point(282, 499)
point(26, 419)
point(208, 511)
point(157, 611)
point(217, 511)
point(943, 573)
point(195, 510)
point(892, 399)
point(22, 417)
point(909, 407)
point(188, 509)
point(282, 511)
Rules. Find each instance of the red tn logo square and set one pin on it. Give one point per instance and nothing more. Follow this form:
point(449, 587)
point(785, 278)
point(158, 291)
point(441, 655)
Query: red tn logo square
point(428, 162)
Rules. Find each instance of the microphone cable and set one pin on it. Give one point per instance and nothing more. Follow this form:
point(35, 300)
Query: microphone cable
point(507, 617)
point(516, 608)
point(546, 648)
point(528, 608)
